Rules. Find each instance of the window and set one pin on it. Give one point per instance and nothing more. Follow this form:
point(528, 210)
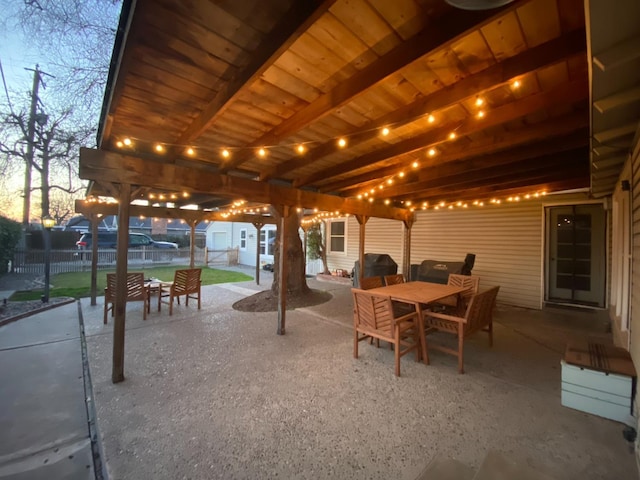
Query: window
point(337, 236)
point(267, 241)
point(243, 239)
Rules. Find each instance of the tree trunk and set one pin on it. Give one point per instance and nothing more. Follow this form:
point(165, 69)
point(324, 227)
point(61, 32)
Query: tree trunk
point(295, 261)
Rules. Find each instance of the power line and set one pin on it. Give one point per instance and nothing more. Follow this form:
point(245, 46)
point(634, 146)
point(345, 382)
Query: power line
point(6, 91)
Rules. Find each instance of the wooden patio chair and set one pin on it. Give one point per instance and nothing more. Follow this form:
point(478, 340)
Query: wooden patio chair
point(367, 283)
point(393, 279)
point(136, 291)
point(457, 304)
point(374, 318)
point(478, 316)
point(185, 282)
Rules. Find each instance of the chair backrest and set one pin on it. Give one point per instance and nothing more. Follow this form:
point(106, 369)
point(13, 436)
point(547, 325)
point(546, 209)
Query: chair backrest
point(186, 281)
point(480, 310)
point(470, 283)
point(368, 283)
point(373, 312)
point(135, 287)
point(393, 279)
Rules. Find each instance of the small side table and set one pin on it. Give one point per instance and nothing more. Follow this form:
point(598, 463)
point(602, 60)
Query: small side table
point(599, 379)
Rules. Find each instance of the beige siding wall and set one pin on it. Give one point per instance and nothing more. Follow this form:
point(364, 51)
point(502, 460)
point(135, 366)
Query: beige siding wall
point(507, 241)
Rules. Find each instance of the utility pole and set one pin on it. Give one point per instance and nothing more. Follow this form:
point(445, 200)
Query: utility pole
point(26, 206)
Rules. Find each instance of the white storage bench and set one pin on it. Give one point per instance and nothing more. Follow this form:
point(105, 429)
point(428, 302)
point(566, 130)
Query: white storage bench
point(599, 379)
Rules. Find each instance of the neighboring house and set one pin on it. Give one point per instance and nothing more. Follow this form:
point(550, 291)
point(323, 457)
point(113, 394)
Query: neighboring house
point(243, 236)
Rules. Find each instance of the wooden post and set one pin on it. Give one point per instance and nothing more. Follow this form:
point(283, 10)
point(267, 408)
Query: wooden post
point(282, 269)
point(406, 253)
point(362, 221)
point(206, 256)
point(192, 243)
point(93, 218)
point(258, 226)
point(117, 373)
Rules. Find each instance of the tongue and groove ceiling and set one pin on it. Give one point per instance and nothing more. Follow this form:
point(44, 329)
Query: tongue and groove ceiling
point(433, 104)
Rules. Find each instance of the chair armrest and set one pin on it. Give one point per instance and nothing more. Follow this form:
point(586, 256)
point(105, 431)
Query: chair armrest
point(406, 317)
point(444, 316)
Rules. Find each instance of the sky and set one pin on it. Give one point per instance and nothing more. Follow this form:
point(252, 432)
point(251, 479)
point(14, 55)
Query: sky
point(18, 57)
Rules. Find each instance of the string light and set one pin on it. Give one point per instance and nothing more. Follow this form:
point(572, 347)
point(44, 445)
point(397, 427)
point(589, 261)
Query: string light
point(225, 153)
point(415, 164)
point(452, 136)
point(480, 114)
point(300, 149)
point(342, 143)
point(479, 101)
point(432, 152)
point(516, 84)
point(159, 148)
point(127, 142)
point(119, 144)
point(191, 152)
point(431, 119)
point(262, 152)
point(385, 131)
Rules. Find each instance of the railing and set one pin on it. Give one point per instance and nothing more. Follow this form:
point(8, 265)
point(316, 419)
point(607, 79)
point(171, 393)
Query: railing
point(73, 260)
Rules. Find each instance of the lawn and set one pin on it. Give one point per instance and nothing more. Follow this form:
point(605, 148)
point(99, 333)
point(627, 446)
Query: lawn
point(78, 284)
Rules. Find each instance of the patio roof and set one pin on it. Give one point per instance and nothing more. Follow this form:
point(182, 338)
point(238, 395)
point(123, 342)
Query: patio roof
point(389, 102)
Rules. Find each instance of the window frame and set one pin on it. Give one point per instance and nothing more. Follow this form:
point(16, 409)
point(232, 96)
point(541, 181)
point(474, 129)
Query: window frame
point(243, 238)
point(331, 236)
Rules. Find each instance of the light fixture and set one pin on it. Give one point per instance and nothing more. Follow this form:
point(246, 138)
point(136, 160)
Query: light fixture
point(415, 164)
point(452, 136)
point(431, 119)
point(191, 152)
point(342, 143)
point(300, 148)
point(127, 142)
point(481, 114)
point(262, 152)
point(479, 101)
point(477, 4)
point(432, 152)
point(385, 131)
point(159, 148)
point(225, 153)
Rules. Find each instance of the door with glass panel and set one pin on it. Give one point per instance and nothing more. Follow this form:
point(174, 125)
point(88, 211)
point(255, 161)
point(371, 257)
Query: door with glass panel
point(576, 254)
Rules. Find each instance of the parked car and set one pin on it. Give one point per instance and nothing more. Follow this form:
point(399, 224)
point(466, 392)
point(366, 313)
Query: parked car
point(110, 240)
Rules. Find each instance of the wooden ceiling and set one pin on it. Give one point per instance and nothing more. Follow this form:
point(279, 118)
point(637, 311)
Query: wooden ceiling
point(511, 84)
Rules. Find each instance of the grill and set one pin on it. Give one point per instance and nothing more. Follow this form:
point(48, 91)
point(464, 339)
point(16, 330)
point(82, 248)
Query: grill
point(375, 265)
point(437, 271)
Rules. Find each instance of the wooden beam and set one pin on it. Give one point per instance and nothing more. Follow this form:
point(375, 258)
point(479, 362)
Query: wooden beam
point(92, 208)
point(438, 36)
point(120, 168)
point(258, 226)
point(524, 180)
point(621, 53)
point(120, 304)
point(94, 218)
point(515, 187)
point(362, 222)
point(609, 162)
point(546, 131)
point(479, 166)
point(543, 55)
point(570, 92)
point(294, 23)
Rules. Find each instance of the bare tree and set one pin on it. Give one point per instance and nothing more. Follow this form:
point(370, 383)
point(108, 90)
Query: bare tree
point(77, 36)
point(55, 149)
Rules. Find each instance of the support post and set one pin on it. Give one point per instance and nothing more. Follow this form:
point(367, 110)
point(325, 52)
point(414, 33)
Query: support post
point(258, 226)
point(93, 218)
point(282, 269)
point(117, 373)
point(362, 221)
point(192, 243)
point(406, 251)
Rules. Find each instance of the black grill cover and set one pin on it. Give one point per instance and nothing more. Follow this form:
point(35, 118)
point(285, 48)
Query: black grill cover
point(375, 265)
point(437, 271)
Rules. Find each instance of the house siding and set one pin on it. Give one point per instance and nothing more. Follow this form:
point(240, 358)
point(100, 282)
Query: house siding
point(634, 347)
point(508, 241)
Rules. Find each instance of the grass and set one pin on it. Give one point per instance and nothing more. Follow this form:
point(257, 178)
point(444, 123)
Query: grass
point(78, 284)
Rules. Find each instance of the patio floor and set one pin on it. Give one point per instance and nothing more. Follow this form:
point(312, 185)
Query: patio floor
point(217, 394)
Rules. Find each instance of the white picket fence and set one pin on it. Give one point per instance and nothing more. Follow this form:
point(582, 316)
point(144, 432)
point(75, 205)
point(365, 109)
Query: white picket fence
point(73, 260)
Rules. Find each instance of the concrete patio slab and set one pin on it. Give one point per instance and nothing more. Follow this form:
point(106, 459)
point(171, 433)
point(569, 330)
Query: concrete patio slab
point(216, 393)
point(43, 416)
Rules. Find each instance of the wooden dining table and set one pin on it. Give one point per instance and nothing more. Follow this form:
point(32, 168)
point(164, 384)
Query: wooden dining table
point(419, 294)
